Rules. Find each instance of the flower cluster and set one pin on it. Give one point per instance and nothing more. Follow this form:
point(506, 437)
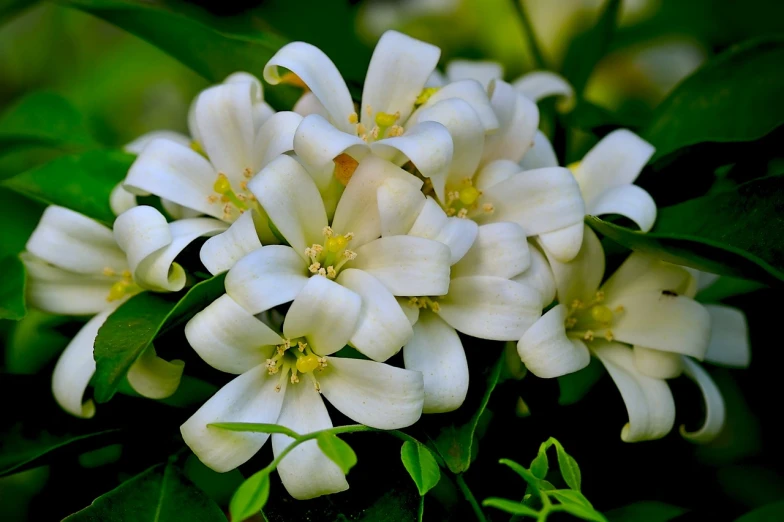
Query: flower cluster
point(430, 207)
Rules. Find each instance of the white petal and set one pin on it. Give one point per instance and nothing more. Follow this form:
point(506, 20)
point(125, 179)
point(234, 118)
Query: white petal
point(372, 393)
point(261, 111)
point(229, 338)
point(266, 277)
point(308, 104)
point(663, 322)
point(500, 250)
point(220, 252)
point(616, 160)
point(541, 200)
point(411, 311)
point(177, 173)
point(75, 368)
point(406, 265)
point(540, 155)
point(495, 172)
point(275, 137)
point(325, 313)
point(397, 73)
point(357, 210)
point(627, 200)
point(317, 142)
point(563, 244)
point(153, 377)
point(382, 328)
point(547, 352)
point(291, 199)
point(538, 276)
point(481, 71)
point(75, 242)
point(657, 364)
point(321, 76)
point(306, 472)
point(137, 145)
point(467, 132)
point(470, 91)
point(644, 273)
point(428, 145)
point(436, 351)
point(518, 119)
point(121, 200)
point(729, 337)
point(715, 412)
point(251, 397)
point(580, 277)
point(225, 119)
point(649, 401)
point(490, 307)
point(436, 79)
point(538, 85)
point(456, 233)
point(177, 211)
point(399, 205)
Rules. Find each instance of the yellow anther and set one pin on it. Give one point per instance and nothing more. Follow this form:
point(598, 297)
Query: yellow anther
point(350, 255)
point(353, 117)
point(331, 273)
point(361, 129)
point(322, 272)
point(570, 322)
point(384, 119)
point(307, 363)
point(588, 336)
point(196, 146)
point(488, 208)
point(425, 95)
point(609, 335)
point(468, 195)
point(117, 291)
point(336, 243)
point(619, 309)
point(314, 268)
point(577, 304)
point(602, 314)
point(222, 184)
point(212, 198)
point(301, 346)
point(369, 110)
point(599, 296)
point(292, 79)
point(326, 232)
point(127, 274)
point(395, 130)
point(345, 166)
point(294, 378)
point(462, 213)
point(109, 271)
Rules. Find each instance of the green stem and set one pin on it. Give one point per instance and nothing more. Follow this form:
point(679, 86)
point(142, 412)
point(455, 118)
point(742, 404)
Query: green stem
point(470, 498)
point(529, 35)
point(421, 513)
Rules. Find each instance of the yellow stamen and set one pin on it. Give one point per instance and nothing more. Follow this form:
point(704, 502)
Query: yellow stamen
point(307, 363)
point(353, 117)
point(384, 119)
point(425, 95)
point(468, 195)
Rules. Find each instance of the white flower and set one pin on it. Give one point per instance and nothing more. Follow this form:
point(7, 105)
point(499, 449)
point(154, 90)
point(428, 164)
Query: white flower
point(483, 299)
point(235, 133)
point(644, 326)
point(77, 266)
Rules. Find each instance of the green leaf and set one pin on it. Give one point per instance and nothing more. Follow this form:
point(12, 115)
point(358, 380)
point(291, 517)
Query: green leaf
point(256, 428)
point(421, 465)
point(455, 443)
point(735, 233)
point(34, 342)
point(570, 470)
point(160, 494)
point(134, 325)
point(725, 287)
point(540, 465)
point(510, 506)
point(44, 118)
point(12, 289)
point(588, 48)
point(81, 182)
point(769, 513)
point(337, 450)
point(734, 97)
point(570, 496)
point(24, 214)
point(646, 511)
point(20, 453)
point(250, 497)
point(526, 474)
point(574, 386)
point(584, 512)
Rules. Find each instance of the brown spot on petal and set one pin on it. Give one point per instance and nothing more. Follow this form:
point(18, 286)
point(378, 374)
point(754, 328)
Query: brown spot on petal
point(345, 166)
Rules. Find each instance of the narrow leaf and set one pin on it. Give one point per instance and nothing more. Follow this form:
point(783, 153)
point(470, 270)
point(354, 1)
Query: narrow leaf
point(540, 465)
point(580, 511)
point(570, 470)
point(250, 497)
point(526, 474)
point(421, 465)
point(134, 325)
point(256, 428)
point(510, 506)
point(337, 450)
point(12, 289)
point(570, 496)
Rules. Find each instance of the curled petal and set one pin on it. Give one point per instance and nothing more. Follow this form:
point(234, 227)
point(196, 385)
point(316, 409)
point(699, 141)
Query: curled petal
point(729, 337)
point(540, 155)
point(518, 119)
point(645, 273)
point(275, 137)
point(121, 200)
point(481, 71)
point(267, 277)
point(495, 172)
point(220, 252)
point(656, 363)
point(563, 244)
point(500, 250)
point(538, 85)
point(456, 233)
point(153, 377)
point(715, 412)
point(627, 200)
point(538, 276)
point(399, 205)
point(470, 91)
point(137, 145)
point(547, 352)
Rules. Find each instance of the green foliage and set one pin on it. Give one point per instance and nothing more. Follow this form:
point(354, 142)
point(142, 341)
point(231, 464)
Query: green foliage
point(768, 513)
point(734, 97)
point(34, 342)
point(649, 511)
point(337, 450)
point(421, 465)
point(133, 326)
point(251, 496)
point(160, 494)
point(574, 386)
point(12, 289)
point(24, 214)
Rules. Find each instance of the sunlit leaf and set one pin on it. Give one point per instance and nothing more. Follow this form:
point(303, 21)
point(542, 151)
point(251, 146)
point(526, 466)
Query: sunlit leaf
point(250, 497)
point(510, 506)
point(421, 465)
point(337, 450)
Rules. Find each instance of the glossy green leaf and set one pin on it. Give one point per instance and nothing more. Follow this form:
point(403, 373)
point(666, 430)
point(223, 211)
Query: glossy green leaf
point(24, 214)
point(582, 511)
point(337, 450)
point(588, 48)
point(134, 325)
point(81, 182)
point(540, 465)
point(574, 386)
point(735, 233)
point(646, 511)
point(12, 289)
point(526, 474)
point(570, 496)
point(250, 497)
point(725, 287)
point(34, 342)
point(769, 513)
point(510, 506)
point(570, 470)
point(160, 494)
point(254, 427)
point(734, 97)
point(421, 465)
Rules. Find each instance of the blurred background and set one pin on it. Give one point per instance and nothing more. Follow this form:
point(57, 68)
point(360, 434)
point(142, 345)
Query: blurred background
point(123, 87)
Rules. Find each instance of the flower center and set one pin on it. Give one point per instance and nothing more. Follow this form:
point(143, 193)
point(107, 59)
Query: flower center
point(327, 259)
point(235, 202)
point(584, 320)
point(386, 126)
point(124, 287)
point(425, 302)
point(295, 357)
point(464, 201)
